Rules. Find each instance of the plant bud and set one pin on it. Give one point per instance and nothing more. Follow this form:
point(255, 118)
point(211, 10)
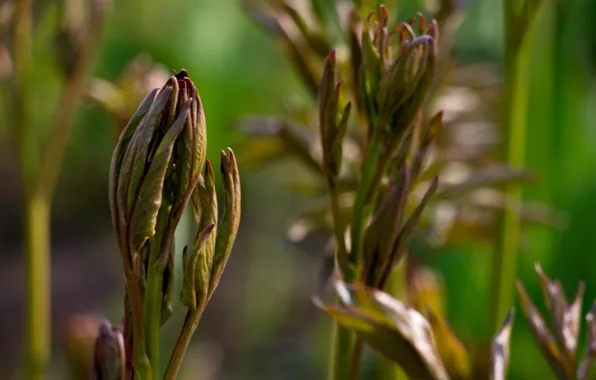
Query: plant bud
point(331, 129)
point(156, 165)
point(109, 353)
point(404, 85)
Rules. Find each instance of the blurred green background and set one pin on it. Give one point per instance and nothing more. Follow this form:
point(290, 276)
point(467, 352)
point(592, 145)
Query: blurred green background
point(261, 323)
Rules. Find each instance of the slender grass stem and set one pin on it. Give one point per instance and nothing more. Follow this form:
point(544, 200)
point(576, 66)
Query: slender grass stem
point(514, 143)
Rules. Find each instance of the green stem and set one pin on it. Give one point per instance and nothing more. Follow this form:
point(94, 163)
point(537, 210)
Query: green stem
point(337, 227)
point(36, 208)
point(342, 342)
point(38, 286)
point(188, 328)
point(514, 139)
point(343, 339)
point(362, 206)
point(356, 359)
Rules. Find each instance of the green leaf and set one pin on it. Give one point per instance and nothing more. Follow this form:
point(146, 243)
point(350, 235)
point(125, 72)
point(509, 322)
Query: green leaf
point(396, 331)
point(500, 349)
point(149, 198)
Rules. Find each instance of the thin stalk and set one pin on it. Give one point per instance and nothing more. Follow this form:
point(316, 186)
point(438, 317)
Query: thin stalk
point(153, 316)
point(356, 359)
point(38, 286)
point(362, 205)
point(342, 343)
point(337, 227)
point(343, 340)
point(153, 293)
point(38, 191)
point(514, 129)
point(188, 328)
point(36, 209)
point(71, 95)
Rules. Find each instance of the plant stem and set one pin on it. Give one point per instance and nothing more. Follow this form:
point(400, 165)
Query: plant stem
point(38, 286)
point(356, 359)
point(514, 139)
point(342, 342)
point(188, 328)
point(140, 361)
point(152, 305)
point(341, 359)
point(337, 227)
point(362, 205)
point(67, 104)
point(36, 208)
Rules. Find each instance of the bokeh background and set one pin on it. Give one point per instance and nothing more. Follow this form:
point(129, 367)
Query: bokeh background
point(261, 323)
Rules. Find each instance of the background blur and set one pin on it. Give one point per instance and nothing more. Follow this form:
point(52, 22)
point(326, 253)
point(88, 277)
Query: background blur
point(261, 323)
